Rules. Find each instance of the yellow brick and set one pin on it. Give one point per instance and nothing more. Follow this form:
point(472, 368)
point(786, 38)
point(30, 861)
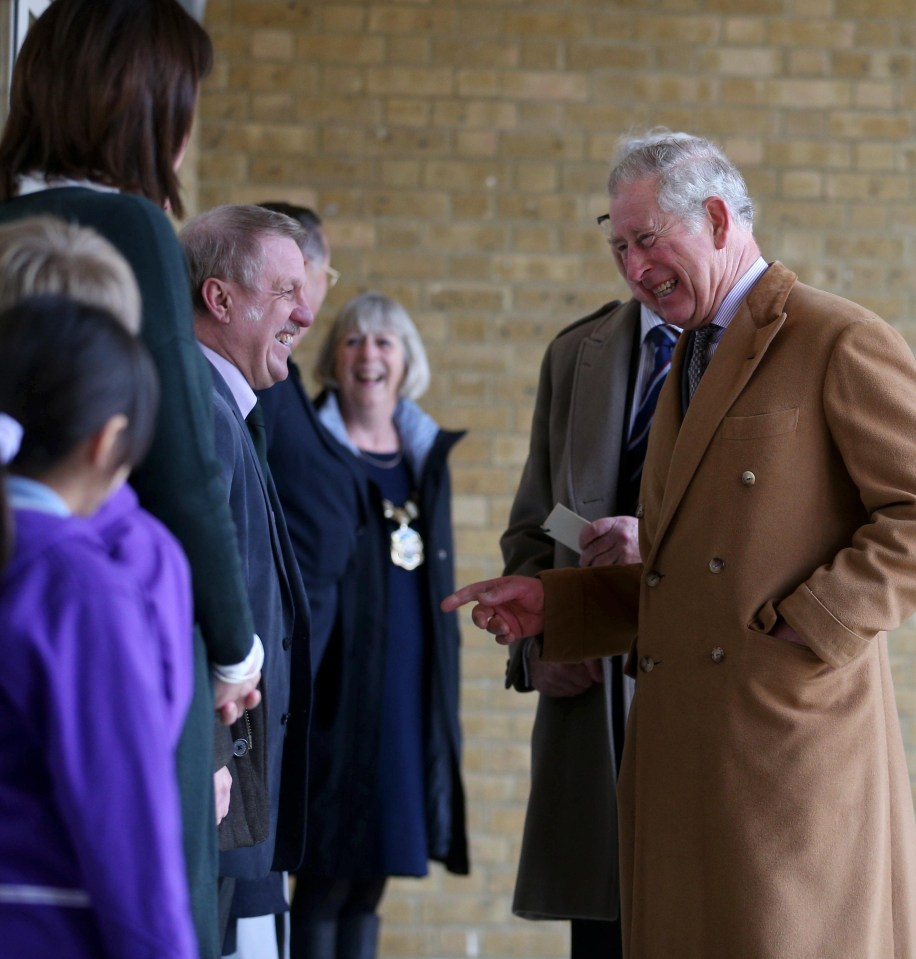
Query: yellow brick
point(541, 55)
point(408, 111)
point(458, 152)
point(272, 45)
point(545, 85)
point(388, 80)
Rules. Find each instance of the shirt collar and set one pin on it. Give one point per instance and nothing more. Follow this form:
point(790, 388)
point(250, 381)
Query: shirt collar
point(27, 493)
point(648, 320)
point(36, 182)
point(726, 312)
point(241, 392)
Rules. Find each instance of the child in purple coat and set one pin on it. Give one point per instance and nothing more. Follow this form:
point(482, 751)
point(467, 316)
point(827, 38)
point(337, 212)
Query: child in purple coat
point(90, 835)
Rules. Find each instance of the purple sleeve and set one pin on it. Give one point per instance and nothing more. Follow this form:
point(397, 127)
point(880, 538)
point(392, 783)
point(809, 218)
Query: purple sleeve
point(148, 551)
point(113, 767)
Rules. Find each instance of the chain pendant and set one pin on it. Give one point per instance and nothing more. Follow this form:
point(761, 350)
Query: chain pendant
point(406, 543)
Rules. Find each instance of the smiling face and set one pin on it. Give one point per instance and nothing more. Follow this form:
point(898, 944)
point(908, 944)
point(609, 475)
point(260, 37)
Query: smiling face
point(265, 322)
point(369, 368)
point(676, 271)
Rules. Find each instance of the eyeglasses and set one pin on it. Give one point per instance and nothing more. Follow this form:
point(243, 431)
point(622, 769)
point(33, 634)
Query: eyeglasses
point(604, 224)
point(333, 276)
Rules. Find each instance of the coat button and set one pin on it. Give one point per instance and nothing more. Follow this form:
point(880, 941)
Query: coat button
point(647, 664)
point(443, 554)
point(748, 478)
point(716, 565)
point(718, 654)
point(240, 747)
point(640, 511)
point(287, 642)
point(653, 578)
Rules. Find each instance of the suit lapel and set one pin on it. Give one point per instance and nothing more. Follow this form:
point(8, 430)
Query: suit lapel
point(601, 381)
point(684, 439)
point(271, 500)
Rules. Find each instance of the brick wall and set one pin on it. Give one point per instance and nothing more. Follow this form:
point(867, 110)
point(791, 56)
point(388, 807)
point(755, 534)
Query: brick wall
point(458, 152)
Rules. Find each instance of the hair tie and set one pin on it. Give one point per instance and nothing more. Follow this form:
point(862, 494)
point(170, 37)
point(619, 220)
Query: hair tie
point(10, 438)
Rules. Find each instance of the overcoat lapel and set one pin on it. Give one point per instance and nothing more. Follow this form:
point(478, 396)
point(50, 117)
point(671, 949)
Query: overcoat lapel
point(743, 346)
point(601, 382)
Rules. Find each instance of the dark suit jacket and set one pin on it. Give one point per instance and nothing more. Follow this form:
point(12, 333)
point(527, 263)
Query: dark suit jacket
point(279, 727)
point(568, 865)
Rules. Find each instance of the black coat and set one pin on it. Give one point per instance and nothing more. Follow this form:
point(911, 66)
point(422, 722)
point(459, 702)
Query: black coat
point(341, 539)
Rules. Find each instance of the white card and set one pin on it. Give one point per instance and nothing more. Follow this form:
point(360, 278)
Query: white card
point(564, 526)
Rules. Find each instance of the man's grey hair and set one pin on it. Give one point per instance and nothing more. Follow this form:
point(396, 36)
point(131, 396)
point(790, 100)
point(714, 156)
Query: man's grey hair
point(372, 313)
point(315, 245)
point(225, 243)
point(690, 169)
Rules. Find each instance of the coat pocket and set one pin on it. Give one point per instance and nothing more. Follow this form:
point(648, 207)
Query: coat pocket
point(762, 424)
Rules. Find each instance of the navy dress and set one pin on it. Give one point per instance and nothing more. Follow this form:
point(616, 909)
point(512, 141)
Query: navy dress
point(401, 847)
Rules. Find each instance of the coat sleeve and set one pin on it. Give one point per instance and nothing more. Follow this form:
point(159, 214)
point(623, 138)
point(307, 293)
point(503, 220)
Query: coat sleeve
point(589, 612)
point(870, 585)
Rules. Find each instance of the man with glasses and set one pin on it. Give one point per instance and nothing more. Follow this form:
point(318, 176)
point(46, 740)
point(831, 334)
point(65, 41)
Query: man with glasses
point(765, 804)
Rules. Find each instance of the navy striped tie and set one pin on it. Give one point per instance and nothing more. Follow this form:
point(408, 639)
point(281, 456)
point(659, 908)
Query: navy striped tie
point(663, 339)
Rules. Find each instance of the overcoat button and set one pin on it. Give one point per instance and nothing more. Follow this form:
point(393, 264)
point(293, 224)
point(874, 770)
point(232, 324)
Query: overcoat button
point(748, 478)
point(647, 664)
point(718, 654)
point(443, 554)
point(640, 511)
point(716, 565)
point(240, 747)
point(287, 642)
point(653, 578)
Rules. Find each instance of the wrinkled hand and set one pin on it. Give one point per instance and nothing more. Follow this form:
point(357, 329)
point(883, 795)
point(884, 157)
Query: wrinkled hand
point(232, 699)
point(610, 541)
point(563, 679)
point(222, 787)
point(509, 607)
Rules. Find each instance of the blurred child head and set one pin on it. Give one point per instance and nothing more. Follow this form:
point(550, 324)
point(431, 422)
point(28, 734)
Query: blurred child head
point(43, 254)
point(83, 392)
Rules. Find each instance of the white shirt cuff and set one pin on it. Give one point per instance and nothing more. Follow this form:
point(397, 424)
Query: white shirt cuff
point(249, 667)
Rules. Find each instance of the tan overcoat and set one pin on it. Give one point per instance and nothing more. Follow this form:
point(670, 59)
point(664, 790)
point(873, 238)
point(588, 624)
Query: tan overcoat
point(765, 807)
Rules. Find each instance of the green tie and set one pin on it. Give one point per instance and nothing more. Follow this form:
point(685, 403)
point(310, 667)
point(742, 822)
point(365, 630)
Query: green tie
point(255, 423)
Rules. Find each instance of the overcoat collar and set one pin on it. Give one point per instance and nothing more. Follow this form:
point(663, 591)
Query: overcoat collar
point(602, 374)
point(687, 436)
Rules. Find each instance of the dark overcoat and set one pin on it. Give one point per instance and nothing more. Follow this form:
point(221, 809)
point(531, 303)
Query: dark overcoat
point(342, 544)
point(568, 864)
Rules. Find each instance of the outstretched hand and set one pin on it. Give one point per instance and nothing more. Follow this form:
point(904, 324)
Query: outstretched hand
point(509, 607)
